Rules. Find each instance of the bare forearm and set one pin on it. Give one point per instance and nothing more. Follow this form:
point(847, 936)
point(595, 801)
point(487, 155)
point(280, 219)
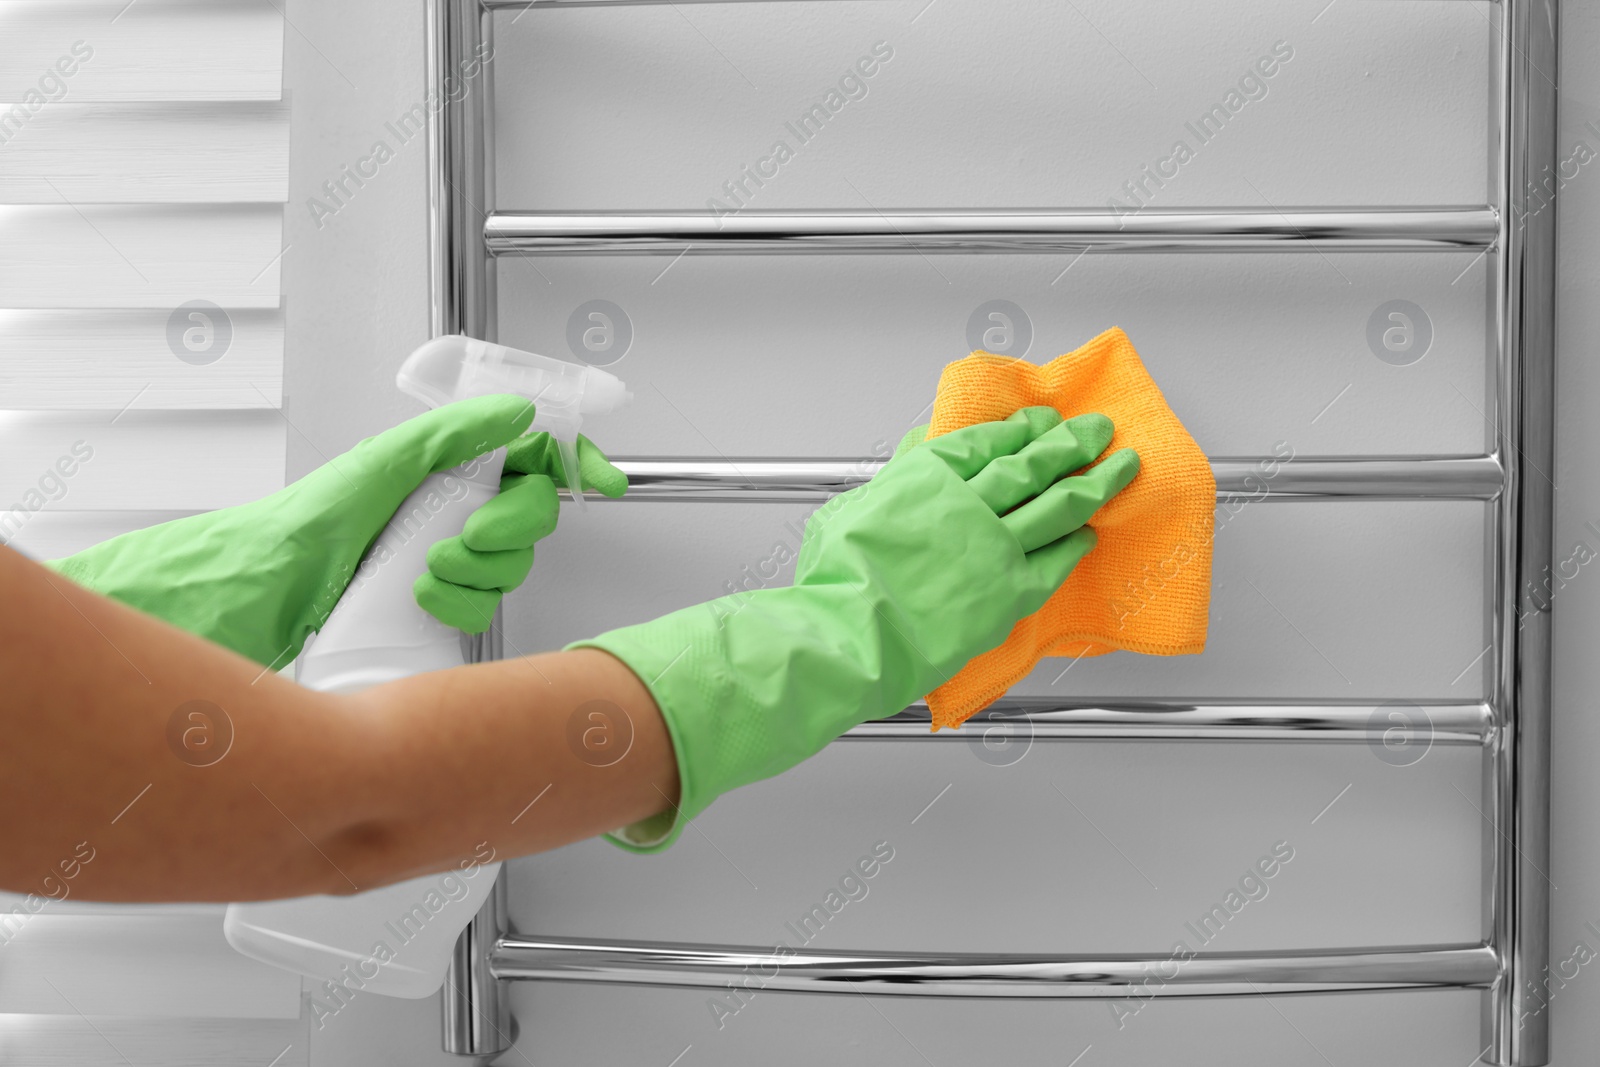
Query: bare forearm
point(190, 774)
point(520, 756)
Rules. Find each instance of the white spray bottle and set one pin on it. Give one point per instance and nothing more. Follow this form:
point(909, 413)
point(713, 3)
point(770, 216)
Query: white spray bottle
point(397, 940)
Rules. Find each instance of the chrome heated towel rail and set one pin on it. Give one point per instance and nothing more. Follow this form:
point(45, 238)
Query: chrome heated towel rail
point(1511, 725)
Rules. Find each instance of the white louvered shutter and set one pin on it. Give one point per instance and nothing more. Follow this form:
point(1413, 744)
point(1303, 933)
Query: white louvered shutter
point(144, 153)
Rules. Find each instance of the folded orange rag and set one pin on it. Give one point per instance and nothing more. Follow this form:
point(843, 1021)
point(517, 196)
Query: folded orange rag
point(1147, 584)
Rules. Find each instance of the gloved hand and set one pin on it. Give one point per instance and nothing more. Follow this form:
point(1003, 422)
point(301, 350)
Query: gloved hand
point(467, 575)
point(262, 577)
point(898, 584)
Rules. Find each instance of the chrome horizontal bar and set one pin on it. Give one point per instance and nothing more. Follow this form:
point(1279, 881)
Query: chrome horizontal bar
point(1457, 229)
point(694, 480)
point(1370, 478)
point(1009, 975)
point(1024, 719)
point(523, 4)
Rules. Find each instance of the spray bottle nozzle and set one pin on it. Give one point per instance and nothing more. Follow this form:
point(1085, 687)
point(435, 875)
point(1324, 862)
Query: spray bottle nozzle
point(453, 367)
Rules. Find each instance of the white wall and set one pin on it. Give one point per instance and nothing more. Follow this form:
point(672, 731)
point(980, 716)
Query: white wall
point(1021, 104)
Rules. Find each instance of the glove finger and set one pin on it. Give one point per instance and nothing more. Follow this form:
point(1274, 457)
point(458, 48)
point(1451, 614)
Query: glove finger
point(597, 472)
point(1069, 503)
point(537, 454)
point(524, 512)
point(971, 448)
point(1049, 566)
point(1069, 446)
point(452, 561)
point(471, 610)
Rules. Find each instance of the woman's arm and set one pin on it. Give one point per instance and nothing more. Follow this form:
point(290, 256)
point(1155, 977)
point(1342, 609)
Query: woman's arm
point(194, 775)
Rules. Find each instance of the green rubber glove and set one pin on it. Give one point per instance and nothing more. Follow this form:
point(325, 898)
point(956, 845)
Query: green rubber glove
point(262, 577)
point(467, 575)
point(898, 584)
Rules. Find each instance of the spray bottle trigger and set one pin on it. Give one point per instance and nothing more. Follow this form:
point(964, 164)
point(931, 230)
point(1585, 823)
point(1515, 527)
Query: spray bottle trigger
point(569, 465)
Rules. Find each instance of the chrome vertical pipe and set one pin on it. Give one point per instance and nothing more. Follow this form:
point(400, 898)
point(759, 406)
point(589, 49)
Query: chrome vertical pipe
point(1524, 299)
point(476, 1020)
point(459, 180)
point(460, 50)
point(461, 275)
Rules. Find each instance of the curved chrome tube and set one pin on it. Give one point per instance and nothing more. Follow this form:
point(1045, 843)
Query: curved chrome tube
point(1009, 975)
point(1438, 229)
point(1052, 719)
point(1238, 480)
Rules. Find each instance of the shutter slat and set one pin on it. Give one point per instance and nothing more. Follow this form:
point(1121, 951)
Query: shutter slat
point(50, 360)
point(150, 50)
point(145, 153)
point(87, 256)
point(139, 460)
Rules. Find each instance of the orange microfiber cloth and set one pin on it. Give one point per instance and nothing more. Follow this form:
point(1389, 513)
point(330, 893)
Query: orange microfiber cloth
point(1147, 584)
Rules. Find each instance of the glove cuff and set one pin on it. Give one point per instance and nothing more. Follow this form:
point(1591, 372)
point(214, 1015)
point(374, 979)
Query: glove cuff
point(751, 684)
point(659, 831)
